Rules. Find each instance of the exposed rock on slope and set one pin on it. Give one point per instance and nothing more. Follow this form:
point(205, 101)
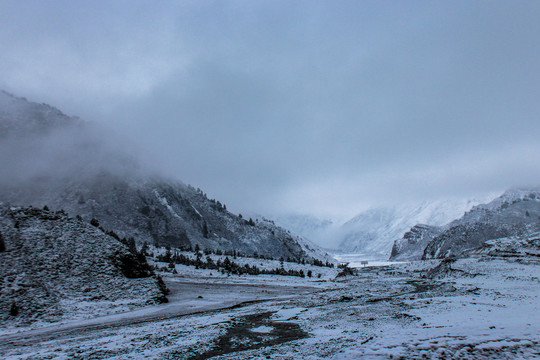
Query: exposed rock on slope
point(411, 246)
point(55, 267)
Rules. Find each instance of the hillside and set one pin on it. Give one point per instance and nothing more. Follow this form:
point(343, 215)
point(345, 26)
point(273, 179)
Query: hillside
point(74, 165)
point(516, 213)
point(163, 213)
point(54, 268)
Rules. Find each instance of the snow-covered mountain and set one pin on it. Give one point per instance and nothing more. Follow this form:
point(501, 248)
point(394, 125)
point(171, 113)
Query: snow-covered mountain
point(516, 213)
point(51, 159)
point(53, 267)
point(374, 231)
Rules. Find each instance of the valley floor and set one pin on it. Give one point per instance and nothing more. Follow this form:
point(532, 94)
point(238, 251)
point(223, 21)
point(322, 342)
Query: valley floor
point(468, 309)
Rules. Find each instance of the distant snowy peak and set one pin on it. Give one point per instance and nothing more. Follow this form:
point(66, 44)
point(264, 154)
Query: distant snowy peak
point(438, 212)
point(374, 231)
point(19, 116)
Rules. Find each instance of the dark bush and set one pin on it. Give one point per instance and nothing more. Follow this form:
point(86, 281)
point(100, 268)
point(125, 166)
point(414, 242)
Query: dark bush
point(133, 266)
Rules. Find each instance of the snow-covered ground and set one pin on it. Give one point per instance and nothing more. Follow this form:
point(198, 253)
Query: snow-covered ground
point(467, 309)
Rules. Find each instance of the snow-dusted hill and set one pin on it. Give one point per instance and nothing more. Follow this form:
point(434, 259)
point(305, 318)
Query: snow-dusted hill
point(515, 214)
point(71, 165)
point(374, 231)
point(53, 268)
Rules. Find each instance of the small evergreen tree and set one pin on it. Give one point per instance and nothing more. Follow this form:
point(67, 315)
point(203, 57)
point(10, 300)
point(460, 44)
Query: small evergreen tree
point(2, 243)
point(144, 249)
point(205, 231)
point(167, 257)
point(14, 310)
point(131, 245)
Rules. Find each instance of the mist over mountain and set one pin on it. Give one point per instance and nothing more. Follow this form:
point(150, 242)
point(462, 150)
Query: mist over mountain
point(40, 144)
point(52, 159)
point(316, 229)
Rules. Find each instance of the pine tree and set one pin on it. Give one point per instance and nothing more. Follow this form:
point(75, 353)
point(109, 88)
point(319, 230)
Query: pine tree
point(205, 231)
point(2, 243)
point(131, 245)
point(14, 310)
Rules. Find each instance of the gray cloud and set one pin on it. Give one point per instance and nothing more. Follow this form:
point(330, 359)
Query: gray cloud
point(297, 107)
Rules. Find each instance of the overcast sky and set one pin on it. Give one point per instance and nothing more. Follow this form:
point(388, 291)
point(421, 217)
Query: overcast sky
point(321, 107)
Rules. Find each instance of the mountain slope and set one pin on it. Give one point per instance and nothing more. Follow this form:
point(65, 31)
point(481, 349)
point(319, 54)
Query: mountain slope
point(77, 167)
point(163, 213)
point(516, 213)
point(53, 267)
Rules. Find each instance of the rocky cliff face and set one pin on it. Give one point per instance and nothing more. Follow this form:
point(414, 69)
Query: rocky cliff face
point(411, 246)
point(514, 214)
point(54, 267)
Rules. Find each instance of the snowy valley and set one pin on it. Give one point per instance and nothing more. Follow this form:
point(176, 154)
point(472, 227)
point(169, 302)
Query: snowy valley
point(102, 261)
